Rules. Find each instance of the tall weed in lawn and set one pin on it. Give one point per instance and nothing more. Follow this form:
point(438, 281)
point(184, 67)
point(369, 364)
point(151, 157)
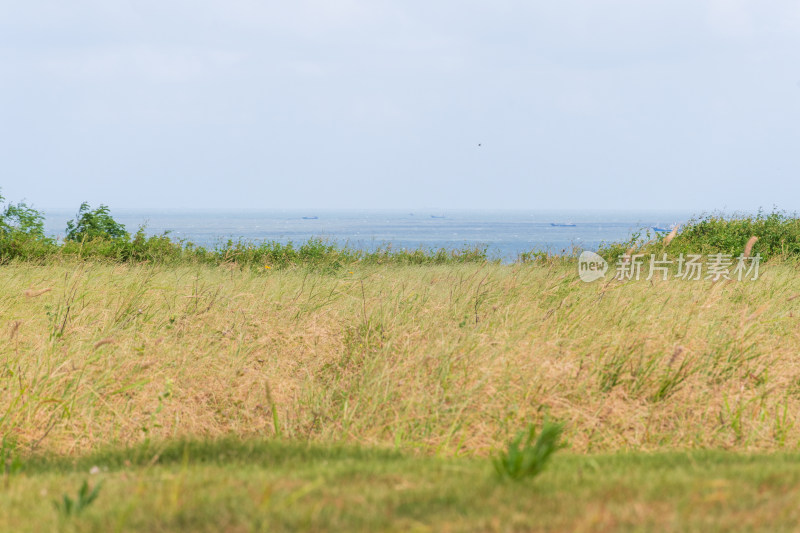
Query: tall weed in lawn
point(528, 454)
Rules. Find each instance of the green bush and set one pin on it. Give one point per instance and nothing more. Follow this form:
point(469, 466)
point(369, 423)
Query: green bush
point(20, 219)
point(93, 224)
point(22, 233)
point(778, 236)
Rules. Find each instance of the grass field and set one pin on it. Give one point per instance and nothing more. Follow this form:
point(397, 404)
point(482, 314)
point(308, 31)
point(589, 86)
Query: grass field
point(273, 486)
point(370, 397)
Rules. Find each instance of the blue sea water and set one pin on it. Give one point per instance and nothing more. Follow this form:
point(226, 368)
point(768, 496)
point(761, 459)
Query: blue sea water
point(505, 233)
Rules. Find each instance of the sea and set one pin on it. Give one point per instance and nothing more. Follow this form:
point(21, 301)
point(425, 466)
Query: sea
point(505, 234)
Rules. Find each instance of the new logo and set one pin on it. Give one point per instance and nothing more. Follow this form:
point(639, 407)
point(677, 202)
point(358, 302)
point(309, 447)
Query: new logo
point(591, 266)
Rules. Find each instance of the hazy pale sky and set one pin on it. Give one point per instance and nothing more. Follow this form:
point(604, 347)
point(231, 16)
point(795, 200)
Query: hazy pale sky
point(677, 104)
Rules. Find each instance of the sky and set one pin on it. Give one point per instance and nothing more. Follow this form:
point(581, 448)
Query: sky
point(383, 104)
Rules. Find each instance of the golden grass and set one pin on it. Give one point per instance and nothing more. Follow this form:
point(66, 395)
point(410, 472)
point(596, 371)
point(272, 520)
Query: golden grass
point(749, 246)
point(33, 293)
point(672, 234)
point(450, 359)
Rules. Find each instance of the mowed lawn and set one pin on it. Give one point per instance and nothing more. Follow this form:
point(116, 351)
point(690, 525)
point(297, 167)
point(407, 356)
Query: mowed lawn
point(372, 397)
point(258, 485)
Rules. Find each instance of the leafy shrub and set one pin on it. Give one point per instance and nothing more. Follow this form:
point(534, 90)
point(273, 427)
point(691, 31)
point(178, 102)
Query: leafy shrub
point(22, 232)
point(21, 219)
point(93, 224)
point(778, 236)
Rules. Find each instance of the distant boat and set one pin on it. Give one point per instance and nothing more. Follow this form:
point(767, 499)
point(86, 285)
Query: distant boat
point(310, 218)
point(564, 225)
point(665, 230)
point(437, 216)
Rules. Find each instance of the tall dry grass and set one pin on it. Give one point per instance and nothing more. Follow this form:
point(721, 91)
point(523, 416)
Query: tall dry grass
point(450, 359)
